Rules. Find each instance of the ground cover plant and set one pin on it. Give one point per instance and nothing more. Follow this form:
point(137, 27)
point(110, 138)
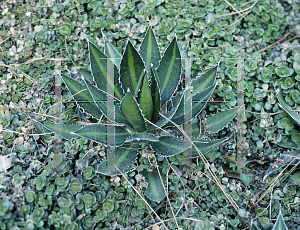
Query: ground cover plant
point(41, 189)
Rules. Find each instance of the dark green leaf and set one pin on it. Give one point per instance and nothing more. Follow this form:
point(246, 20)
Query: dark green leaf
point(197, 107)
point(206, 145)
point(119, 117)
point(155, 190)
point(155, 93)
point(86, 74)
point(149, 50)
point(204, 81)
point(86, 101)
point(140, 137)
point(47, 127)
point(124, 160)
point(132, 112)
point(280, 224)
point(98, 133)
point(98, 62)
point(219, 120)
point(132, 67)
point(111, 52)
point(162, 120)
point(169, 72)
point(145, 100)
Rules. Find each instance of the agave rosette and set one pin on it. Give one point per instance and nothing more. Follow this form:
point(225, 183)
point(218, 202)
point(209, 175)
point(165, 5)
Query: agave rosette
point(145, 84)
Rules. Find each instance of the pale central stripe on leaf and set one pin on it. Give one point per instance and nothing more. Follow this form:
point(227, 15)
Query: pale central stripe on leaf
point(131, 69)
point(169, 71)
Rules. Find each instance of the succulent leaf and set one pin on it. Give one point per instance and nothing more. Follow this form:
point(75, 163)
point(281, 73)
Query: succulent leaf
point(111, 52)
point(98, 133)
point(83, 97)
point(169, 71)
point(169, 146)
point(98, 62)
point(205, 146)
point(162, 120)
point(155, 190)
point(124, 160)
point(47, 127)
point(119, 117)
point(149, 50)
point(155, 93)
point(195, 127)
point(139, 137)
point(295, 116)
point(132, 112)
point(253, 225)
point(205, 96)
point(86, 74)
point(219, 120)
point(281, 99)
point(139, 84)
point(280, 224)
point(132, 67)
point(287, 158)
point(204, 81)
point(145, 99)
point(197, 107)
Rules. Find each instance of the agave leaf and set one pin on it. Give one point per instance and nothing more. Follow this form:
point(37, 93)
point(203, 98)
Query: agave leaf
point(86, 74)
point(204, 81)
point(162, 120)
point(74, 76)
point(155, 93)
point(288, 158)
point(206, 145)
point(141, 137)
point(132, 67)
point(132, 112)
point(253, 225)
point(195, 127)
point(119, 117)
point(197, 107)
point(49, 127)
point(98, 133)
point(280, 224)
point(41, 129)
point(85, 98)
point(98, 62)
point(295, 116)
point(149, 50)
point(219, 120)
point(169, 72)
point(111, 52)
point(281, 98)
point(145, 99)
point(204, 95)
point(155, 190)
point(139, 84)
point(124, 160)
point(169, 146)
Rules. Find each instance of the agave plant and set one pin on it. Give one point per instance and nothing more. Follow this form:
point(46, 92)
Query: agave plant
point(147, 101)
